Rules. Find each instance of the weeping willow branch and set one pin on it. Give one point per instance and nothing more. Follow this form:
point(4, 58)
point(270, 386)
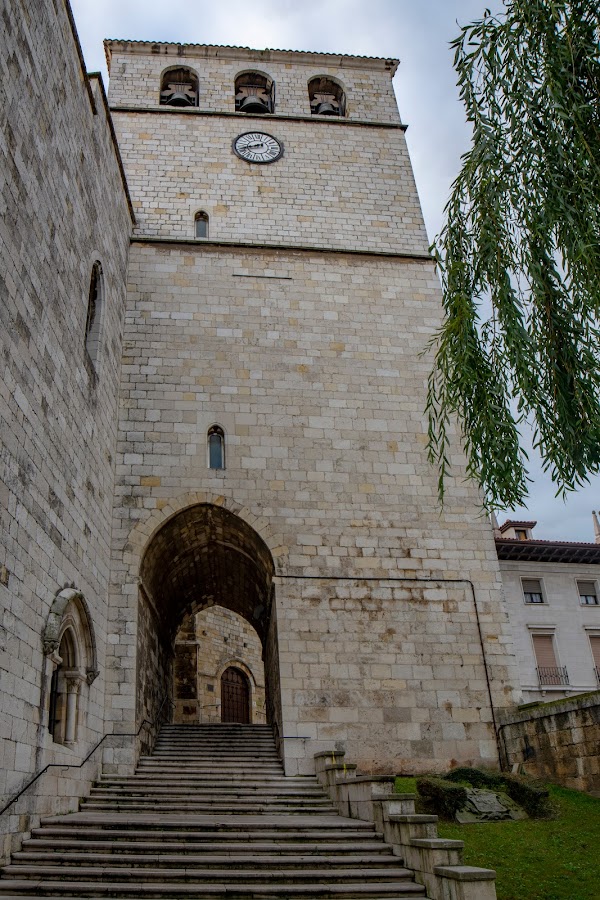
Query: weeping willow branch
point(522, 239)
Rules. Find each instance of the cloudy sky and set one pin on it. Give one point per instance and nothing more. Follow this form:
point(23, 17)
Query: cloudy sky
point(416, 33)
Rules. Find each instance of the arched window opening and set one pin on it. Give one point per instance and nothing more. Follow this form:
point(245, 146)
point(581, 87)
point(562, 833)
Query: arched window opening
point(94, 313)
point(179, 87)
point(64, 690)
point(235, 696)
point(216, 447)
point(70, 651)
point(201, 225)
point(327, 97)
point(254, 93)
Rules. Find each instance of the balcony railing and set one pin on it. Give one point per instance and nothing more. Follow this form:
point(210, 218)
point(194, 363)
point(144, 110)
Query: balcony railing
point(552, 675)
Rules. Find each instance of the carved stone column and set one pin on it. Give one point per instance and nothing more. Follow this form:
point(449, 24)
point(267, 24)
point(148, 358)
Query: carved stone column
point(73, 685)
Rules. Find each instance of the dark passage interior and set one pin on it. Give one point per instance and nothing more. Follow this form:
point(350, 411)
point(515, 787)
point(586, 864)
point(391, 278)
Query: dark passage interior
point(203, 556)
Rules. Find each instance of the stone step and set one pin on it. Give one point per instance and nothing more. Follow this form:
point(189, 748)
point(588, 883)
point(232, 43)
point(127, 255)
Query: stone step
point(235, 799)
point(281, 838)
point(212, 765)
point(205, 791)
point(172, 777)
point(235, 803)
point(243, 825)
point(204, 861)
point(226, 769)
point(234, 846)
point(209, 815)
point(224, 759)
point(181, 784)
point(212, 809)
point(282, 786)
point(251, 753)
point(60, 890)
point(230, 744)
point(240, 824)
point(169, 728)
point(229, 875)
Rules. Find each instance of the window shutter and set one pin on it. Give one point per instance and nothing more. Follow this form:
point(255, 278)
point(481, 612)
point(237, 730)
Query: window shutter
point(595, 642)
point(587, 588)
point(532, 586)
point(543, 645)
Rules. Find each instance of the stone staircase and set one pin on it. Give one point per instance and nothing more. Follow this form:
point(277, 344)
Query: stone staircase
point(210, 814)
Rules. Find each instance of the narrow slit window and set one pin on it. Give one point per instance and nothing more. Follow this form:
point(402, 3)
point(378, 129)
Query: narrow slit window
point(201, 225)
point(94, 313)
point(216, 448)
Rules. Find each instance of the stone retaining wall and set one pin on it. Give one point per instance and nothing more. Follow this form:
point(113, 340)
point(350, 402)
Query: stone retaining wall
point(558, 741)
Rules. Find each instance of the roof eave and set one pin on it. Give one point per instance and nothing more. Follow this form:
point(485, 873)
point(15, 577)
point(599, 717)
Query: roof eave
point(226, 51)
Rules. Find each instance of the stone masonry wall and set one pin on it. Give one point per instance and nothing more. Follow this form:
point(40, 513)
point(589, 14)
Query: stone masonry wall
point(207, 643)
point(135, 73)
point(312, 368)
point(392, 669)
point(352, 187)
point(311, 364)
point(63, 207)
point(557, 741)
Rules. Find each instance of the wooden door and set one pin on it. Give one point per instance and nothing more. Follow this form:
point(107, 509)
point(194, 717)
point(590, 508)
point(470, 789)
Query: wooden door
point(235, 697)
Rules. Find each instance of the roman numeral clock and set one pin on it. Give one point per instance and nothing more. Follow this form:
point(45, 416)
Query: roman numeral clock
point(257, 147)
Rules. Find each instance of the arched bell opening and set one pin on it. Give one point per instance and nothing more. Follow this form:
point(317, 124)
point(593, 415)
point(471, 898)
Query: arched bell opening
point(327, 97)
point(179, 87)
point(202, 558)
point(254, 93)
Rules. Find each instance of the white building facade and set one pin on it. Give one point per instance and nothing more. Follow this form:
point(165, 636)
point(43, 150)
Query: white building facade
point(552, 593)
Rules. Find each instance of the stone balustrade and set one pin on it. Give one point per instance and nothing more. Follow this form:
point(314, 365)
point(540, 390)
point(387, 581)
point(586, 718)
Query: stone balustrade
point(436, 862)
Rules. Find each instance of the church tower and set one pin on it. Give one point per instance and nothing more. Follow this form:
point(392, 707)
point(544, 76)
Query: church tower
point(272, 438)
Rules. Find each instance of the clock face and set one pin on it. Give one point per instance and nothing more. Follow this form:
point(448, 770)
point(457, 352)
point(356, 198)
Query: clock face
point(257, 147)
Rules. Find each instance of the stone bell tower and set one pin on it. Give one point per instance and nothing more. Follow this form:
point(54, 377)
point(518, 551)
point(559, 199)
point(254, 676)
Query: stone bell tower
point(272, 438)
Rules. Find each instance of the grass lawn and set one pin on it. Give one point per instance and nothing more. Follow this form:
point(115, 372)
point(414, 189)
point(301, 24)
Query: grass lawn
point(556, 859)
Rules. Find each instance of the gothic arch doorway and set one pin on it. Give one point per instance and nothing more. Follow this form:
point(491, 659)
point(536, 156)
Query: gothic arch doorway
point(235, 696)
point(204, 556)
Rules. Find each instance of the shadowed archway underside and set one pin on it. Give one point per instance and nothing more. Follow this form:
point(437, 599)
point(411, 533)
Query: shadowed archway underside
point(205, 556)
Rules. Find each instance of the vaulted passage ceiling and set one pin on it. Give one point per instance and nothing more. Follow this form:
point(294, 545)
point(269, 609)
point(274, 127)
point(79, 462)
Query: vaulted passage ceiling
point(207, 556)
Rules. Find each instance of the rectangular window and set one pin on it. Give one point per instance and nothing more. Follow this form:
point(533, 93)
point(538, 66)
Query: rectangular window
point(595, 645)
point(532, 590)
point(549, 672)
point(588, 596)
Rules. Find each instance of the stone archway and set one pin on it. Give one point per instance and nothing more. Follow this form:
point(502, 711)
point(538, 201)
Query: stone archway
point(201, 556)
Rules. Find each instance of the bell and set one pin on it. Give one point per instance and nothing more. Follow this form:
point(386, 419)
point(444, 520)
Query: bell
point(178, 98)
point(326, 109)
point(254, 104)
